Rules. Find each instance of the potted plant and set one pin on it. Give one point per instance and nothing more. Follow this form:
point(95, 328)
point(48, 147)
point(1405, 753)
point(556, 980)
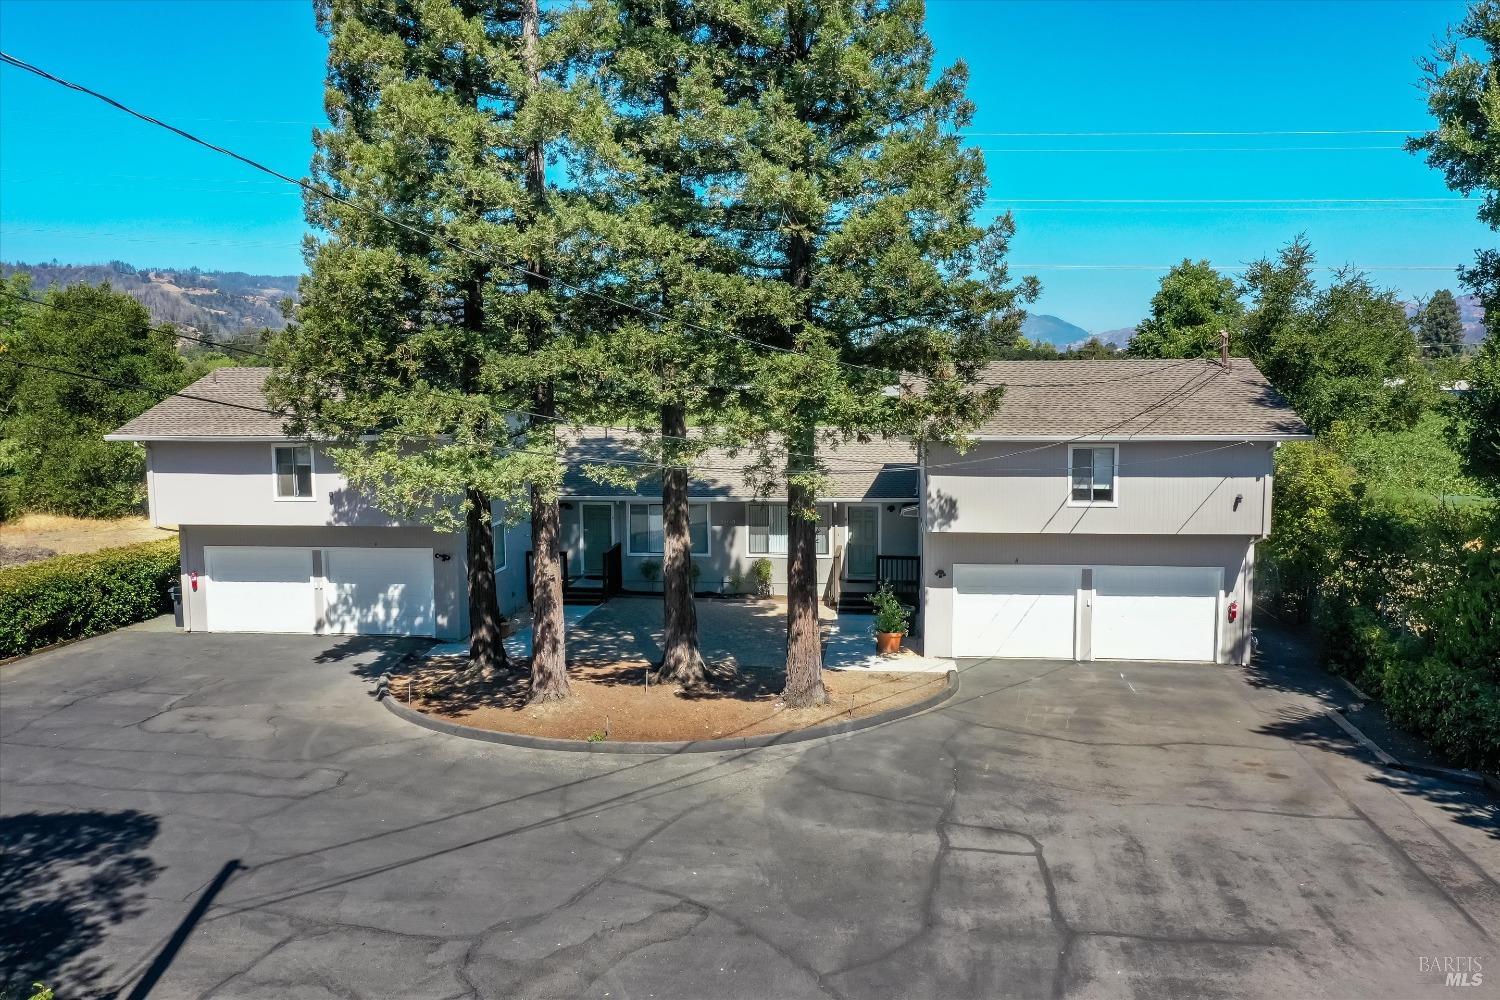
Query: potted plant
point(891, 620)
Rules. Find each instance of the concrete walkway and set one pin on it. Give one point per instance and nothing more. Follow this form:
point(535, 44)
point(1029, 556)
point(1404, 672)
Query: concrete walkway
point(233, 816)
point(746, 632)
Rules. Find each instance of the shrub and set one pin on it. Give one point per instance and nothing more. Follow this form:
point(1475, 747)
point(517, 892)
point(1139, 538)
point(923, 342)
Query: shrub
point(890, 614)
point(760, 574)
point(1456, 709)
point(650, 570)
point(74, 596)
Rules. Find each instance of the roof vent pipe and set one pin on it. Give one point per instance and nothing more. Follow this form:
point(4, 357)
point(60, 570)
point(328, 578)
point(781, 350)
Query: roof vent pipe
point(1224, 348)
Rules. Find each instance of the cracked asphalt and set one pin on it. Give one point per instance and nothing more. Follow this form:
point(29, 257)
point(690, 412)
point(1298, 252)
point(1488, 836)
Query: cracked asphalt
point(1057, 830)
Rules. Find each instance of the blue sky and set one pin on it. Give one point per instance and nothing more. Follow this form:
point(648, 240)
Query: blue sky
point(1097, 215)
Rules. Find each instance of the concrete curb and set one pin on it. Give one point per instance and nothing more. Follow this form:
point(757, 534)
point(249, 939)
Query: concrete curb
point(411, 715)
point(1476, 779)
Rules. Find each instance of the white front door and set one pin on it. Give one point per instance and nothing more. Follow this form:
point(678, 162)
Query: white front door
point(1156, 612)
point(1017, 611)
point(378, 591)
point(255, 588)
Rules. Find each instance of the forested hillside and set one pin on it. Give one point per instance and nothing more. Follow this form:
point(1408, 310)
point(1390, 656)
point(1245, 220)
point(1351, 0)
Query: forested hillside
point(215, 303)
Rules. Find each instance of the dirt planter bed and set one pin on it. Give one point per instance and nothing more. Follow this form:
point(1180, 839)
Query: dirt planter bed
point(611, 710)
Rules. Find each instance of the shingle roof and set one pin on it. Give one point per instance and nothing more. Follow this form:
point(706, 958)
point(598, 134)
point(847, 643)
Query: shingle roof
point(224, 404)
point(221, 404)
point(874, 470)
point(1124, 398)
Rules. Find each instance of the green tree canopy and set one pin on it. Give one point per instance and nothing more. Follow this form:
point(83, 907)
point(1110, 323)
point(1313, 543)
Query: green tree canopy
point(435, 313)
point(858, 201)
point(52, 424)
point(1462, 81)
point(1340, 353)
point(1439, 326)
point(1193, 304)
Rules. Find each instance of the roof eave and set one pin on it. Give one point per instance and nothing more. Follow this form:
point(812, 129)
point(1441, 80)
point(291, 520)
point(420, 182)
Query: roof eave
point(1280, 436)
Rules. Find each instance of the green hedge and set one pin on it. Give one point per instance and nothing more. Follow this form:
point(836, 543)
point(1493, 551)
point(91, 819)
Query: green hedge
point(73, 596)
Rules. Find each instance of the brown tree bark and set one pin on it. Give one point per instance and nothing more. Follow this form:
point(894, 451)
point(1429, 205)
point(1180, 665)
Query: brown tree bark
point(804, 641)
point(486, 625)
point(682, 661)
point(549, 668)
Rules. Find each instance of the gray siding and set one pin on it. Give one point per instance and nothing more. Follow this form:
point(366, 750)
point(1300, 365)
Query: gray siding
point(1167, 488)
point(231, 482)
point(1235, 555)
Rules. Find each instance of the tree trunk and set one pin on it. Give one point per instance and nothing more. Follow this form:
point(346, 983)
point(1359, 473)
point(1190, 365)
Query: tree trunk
point(486, 624)
point(804, 646)
point(681, 662)
point(549, 668)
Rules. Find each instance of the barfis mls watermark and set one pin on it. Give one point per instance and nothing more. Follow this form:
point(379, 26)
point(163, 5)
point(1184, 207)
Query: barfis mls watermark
point(1456, 970)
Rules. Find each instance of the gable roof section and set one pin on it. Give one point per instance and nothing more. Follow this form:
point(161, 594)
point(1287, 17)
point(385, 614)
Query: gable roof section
point(224, 405)
point(873, 470)
point(1135, 398)
point(221, 404)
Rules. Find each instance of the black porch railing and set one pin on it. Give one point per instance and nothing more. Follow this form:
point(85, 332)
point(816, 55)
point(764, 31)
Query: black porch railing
point(904, 574)
point(611, 580)
point(531, 560)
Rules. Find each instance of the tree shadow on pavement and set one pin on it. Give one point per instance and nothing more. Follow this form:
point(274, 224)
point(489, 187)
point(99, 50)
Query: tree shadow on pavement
point(1286, 659)
point(65, 878)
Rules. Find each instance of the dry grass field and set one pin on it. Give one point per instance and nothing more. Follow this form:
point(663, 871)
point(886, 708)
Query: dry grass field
point(41, 536)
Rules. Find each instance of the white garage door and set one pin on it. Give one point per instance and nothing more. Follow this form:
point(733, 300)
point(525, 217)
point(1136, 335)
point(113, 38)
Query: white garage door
point(378, 591)
point(258, 589)
point(1026, 611)
point(1155, 612)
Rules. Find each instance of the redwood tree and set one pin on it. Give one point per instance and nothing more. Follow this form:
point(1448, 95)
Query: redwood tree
point(859, 201)
point(429, 343)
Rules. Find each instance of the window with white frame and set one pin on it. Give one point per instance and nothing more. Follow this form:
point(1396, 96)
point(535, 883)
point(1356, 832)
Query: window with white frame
point(1093, 474)
point(768, 529)
point(293, 469)
point(645, 538)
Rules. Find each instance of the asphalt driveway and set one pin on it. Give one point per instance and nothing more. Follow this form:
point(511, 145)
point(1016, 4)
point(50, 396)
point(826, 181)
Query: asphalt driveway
point(233, 816)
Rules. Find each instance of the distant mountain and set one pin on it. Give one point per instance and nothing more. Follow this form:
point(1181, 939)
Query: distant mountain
point(1117, 338)
point(1052, 330)
point(1470, 311)
point(213, 303)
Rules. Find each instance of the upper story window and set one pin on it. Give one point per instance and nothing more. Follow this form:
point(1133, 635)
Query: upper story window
point(294, 473)
point(1092, 470)
point(768, 524)
point(646, 530)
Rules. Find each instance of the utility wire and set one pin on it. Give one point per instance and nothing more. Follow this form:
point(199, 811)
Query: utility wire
point(1176, 396)
point(462, 248)
point(697, 442)
point(519, 267)
point(1121, 134)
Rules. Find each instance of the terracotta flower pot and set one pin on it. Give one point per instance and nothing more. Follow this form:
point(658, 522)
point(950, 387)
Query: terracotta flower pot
point(888, 643)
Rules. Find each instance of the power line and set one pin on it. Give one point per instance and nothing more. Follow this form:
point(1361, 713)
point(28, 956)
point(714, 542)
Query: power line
point(1241, 267)
point(1215, 201)
point(846, 462)
point(1181, 394)
point(145, 328)
point(1220, 133)
point(518, 267)
point(1053, 150)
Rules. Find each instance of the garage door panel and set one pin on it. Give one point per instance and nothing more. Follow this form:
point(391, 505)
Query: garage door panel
point(378, 591)
point(1155, 612)
point(1015, 611)
point(259, 589)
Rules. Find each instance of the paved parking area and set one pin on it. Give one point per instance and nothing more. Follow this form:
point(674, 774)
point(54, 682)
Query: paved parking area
point(233, 816)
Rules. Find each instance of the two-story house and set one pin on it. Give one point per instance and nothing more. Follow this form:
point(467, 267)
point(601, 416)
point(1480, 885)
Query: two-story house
point(1109, 510)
